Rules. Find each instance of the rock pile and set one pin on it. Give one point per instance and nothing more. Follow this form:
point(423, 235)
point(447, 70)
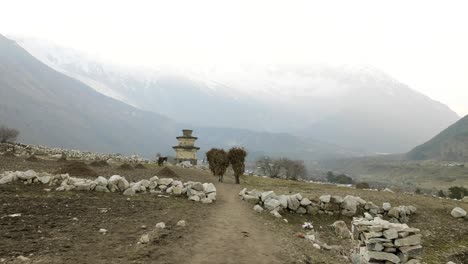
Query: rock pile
point(325, 204)
point(383, 242)
point(37, 150)
point(195, 191)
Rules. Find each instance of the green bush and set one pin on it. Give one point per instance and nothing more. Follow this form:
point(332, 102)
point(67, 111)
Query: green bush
point(362, 185)
point(340, 179)
point(457, 192)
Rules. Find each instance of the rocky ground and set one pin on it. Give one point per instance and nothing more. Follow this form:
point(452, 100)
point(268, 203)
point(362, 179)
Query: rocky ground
point(64, 227)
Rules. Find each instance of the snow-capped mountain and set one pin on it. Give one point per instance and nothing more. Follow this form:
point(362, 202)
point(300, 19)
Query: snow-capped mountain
point(358, 107)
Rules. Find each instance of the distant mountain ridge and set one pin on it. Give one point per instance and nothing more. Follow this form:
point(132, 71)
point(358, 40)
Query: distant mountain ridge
point(359, 108)
point(450, 145)
point(50, 108)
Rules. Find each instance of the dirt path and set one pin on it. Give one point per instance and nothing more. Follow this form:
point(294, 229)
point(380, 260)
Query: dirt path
point(234, 234)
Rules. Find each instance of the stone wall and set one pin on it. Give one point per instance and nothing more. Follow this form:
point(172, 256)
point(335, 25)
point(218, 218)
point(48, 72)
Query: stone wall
point(326, 204)
point(195, 191)
point(383, 242)
point(27, 150)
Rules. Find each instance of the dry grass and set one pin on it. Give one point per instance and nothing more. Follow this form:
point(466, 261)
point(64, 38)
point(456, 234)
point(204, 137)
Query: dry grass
point(444, 236)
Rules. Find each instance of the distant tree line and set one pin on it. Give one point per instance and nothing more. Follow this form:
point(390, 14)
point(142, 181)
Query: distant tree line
point(282, 168)
point(339, 178)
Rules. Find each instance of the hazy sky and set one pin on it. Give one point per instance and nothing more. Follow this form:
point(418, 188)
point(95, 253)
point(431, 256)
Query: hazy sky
point(421, 43)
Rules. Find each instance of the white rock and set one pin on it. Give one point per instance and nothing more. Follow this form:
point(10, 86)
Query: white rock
point(305, 202)
point(212, 196)
point(267, 195)
point(388, 190)
point(101, 181)
point(325, 198)
point(271, 204)
point(154, 179)
point(209, 188)
point(44, 179)
point(465, 199)
point(257, 208)
point(6, 179)
point(275, 214)
point(458, 212)
point(103, 231)
point(144, 239)
point(242, 192)
point(129, 192)
point(197, 186)
point(283, 199)
point(317, 246)
point(23, 259)
point(386, 206)
point(181, 223)
point(101, 189)
point(195, 198)
point(165, 181)
point(177, 190)
point(161, 225)
point(206, 200)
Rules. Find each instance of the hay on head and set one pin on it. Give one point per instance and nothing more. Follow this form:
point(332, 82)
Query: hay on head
point(76, 168)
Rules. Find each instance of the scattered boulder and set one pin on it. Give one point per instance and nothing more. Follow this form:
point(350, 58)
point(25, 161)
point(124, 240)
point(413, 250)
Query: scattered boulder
point(325, 198)
point(341, 229)
point(458, 212)
point(181, 223)
point(271, 204)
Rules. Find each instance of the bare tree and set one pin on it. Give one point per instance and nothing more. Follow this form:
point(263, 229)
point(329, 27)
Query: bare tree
point(237, 159)
point(269, 166)
point(294, 169)
point(8, 134)
point(218, 162)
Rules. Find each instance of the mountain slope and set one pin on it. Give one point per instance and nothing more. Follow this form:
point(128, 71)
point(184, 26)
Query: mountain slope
point(50, 108)
point(53, 109)
point(450, 145)
point(357, 107)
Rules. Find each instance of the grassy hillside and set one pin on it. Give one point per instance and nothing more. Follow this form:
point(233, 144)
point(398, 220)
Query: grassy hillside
point(450, 145)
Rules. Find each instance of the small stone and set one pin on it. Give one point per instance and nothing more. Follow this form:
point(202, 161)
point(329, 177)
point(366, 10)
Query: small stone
point(257, 208)
point(374, 255)
point(161, 225)
point(293, 202)
point(317, 246)
point(103, 231)
point(242, 192)
point(206, 200)
point(23, 259)
point(144, 239)
point(275, 214)
point(341, 229)
point(209, 188)
point(181, 223)
point(195, 198)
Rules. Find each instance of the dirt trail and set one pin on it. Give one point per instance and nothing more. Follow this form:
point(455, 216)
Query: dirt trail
point(233, 234)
